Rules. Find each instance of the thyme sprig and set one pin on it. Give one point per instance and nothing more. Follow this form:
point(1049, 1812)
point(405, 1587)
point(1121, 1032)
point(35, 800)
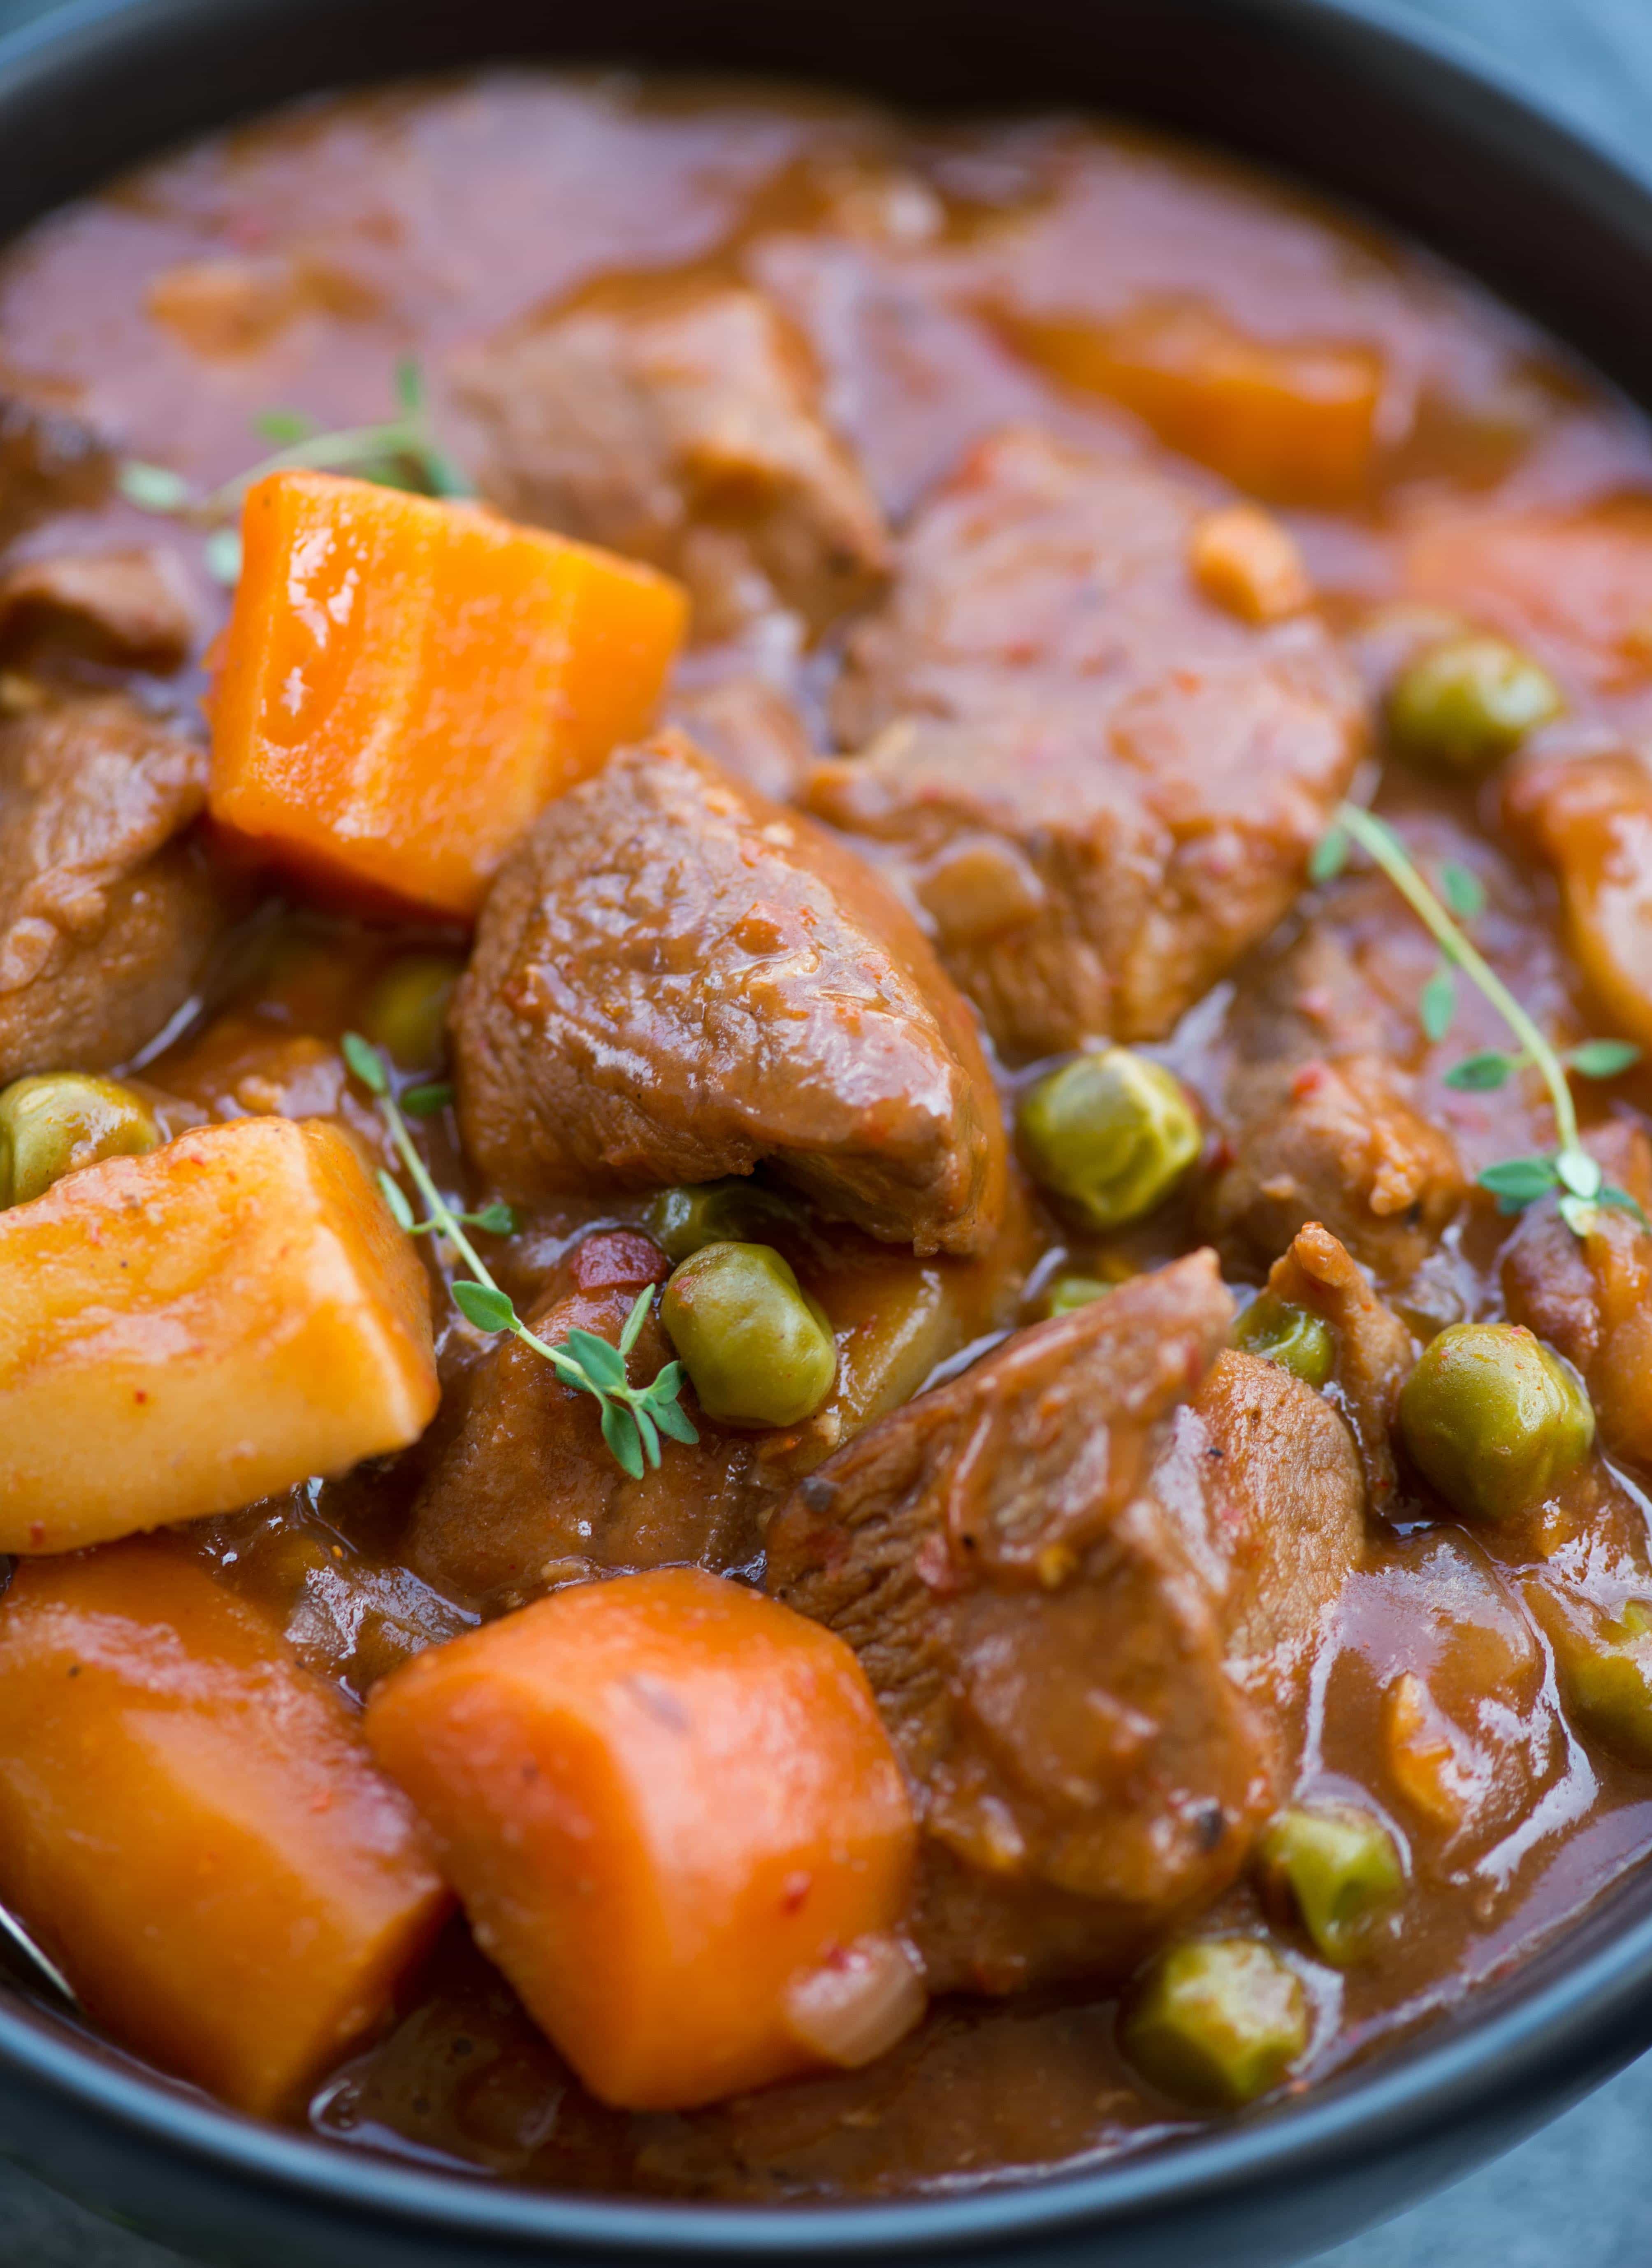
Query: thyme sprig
point(1516, 1183)
point(634, 1417)
point(398, 452)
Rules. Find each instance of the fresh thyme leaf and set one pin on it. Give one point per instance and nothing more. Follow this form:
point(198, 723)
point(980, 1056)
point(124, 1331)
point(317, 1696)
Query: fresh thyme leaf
point(1329, 856)
point(635, 1319)
point(1461, 889)
point(484, 1305)
point(426, 1101)
point(669, 1414)
point(633, 1417)
point(1519, 1181)
point(620, 1432)
point(601, 1361)
point(1438, 1004)
point(153, 488)
point(646, 1432)
point(1580, 1172)
point(283, 426)
point(1603, 1058)
point(366, 1063)
point(390, 1190)
point(221, 552)
point(498, 1220)
point(1479, 1074)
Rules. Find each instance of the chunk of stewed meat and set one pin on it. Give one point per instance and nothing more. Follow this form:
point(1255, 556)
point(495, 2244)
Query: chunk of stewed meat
point(1101, 785)
point(523, 1493)
point(107, 907)
point(49, 459)
point(1288, 1500)
point(1044, 1633)
point(675, 977)
point(1372, 1351)
point(1322, 1115)
point(673, 423)
point(121, 606)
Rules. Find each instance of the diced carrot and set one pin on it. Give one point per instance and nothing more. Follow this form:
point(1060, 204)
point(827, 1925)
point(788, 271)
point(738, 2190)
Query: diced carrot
point(1249, 563)
point(1292, 421)
point(192, 1827)
point(667, 1803)
point(405, 684)
point(183, 1333)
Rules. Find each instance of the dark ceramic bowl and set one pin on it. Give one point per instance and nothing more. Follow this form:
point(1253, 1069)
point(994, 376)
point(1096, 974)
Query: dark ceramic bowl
point(1335, 91)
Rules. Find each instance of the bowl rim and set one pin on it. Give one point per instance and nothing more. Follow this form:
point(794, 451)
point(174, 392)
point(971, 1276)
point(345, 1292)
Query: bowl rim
point(1564, 2033)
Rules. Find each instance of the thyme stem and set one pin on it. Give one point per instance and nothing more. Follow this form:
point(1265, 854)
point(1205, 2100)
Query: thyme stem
point(1380, 845)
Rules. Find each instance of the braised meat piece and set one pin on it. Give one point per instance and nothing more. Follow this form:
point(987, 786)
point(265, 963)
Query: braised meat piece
point(49, 459)
point(108, 909)
point(1322, 1117)
point(1043, 1630)
point(1373, 1351)
point(674, 424)
point(122, 606)
point(523, 1493)
point(675, 977)
point(1101, 785)
point(1287, 1498)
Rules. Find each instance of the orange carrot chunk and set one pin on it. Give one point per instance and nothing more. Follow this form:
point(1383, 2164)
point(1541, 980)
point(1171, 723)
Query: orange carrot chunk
point(405, 684)
point(675, 1820)
point(183, 1333)
point(1292, 421)
point(192, 1827)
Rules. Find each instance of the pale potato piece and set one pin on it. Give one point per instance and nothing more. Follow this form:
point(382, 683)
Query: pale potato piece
point(184, 1332)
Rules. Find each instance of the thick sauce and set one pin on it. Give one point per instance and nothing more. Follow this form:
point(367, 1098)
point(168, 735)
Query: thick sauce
point(286, 267)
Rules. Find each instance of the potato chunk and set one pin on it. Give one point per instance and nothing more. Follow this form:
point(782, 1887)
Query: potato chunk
point(182, 1333)
point(191, 1823)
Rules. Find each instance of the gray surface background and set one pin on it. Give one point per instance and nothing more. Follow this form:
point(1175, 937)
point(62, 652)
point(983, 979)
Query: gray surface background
point(1578, 2193)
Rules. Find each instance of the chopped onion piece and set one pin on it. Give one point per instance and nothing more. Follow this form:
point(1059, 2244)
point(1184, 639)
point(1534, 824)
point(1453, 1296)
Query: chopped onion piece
point(858, 2003)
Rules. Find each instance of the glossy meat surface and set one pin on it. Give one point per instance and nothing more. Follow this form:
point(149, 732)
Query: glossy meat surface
point(675, 979)
point(999, 1543)
point(108, 912)
point(683, 426)
point(1101, 785)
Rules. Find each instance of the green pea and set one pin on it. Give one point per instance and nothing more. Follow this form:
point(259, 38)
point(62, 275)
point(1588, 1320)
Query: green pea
point(759, 1350)
point(1295, 1338)
point(1605, 1678)
point(1110, 1133)
point(1494, 1419)
point(57, 1122)
point(1217, 2021)
point(405, 1011)
point(682, 1222)
point(1463, 706)
point(1340, 1867)
point(1069, 1291)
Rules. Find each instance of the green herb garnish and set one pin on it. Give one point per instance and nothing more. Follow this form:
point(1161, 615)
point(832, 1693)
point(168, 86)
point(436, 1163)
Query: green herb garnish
point(1518, 1181)
point(633, 1417)
point(402, 451)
